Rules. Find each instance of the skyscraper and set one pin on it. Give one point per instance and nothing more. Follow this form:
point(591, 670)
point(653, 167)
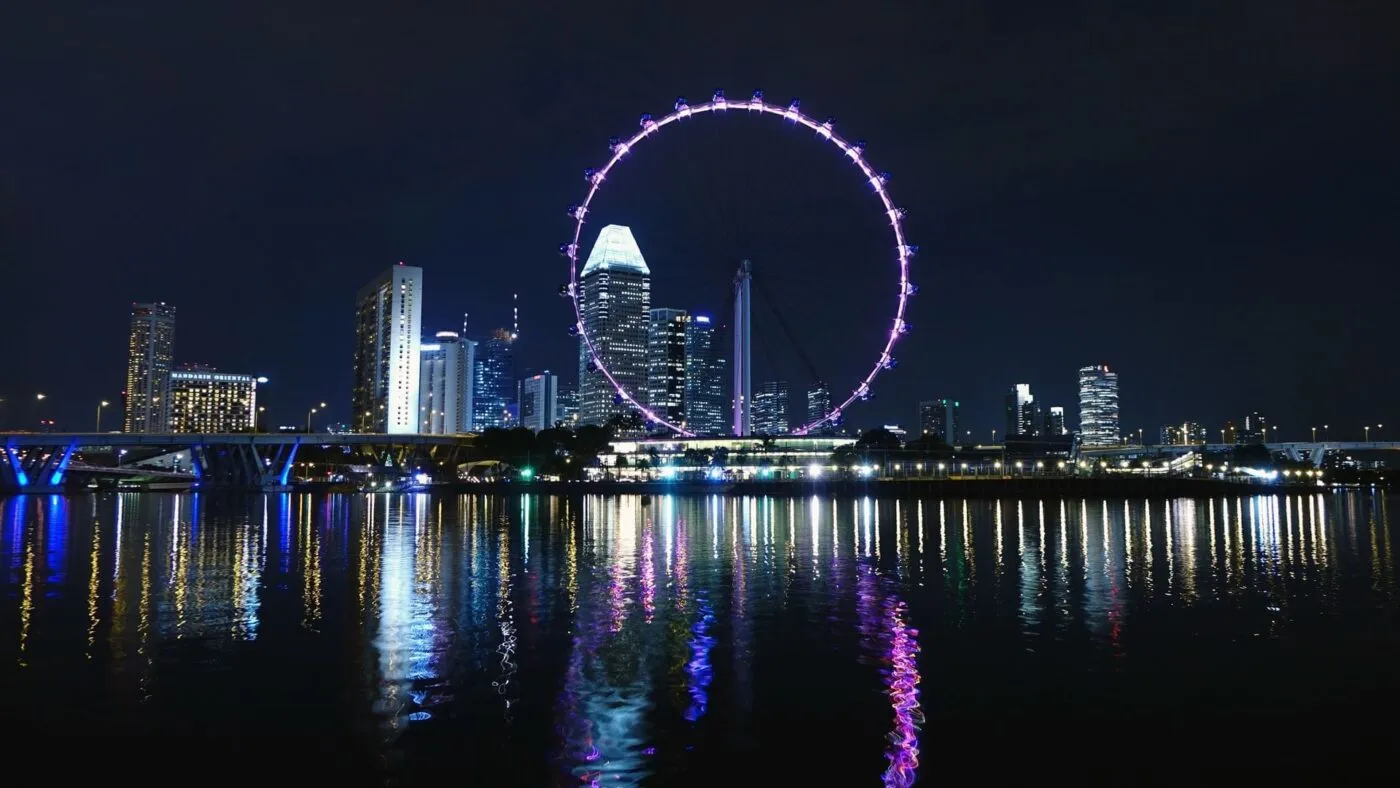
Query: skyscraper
point(1055, 422)
point(743, 358)
point(388, 326)
point(150, 351)
point(818, 405)
point(615, 298)
point(203, 400)
point(539, 401)
point(566, 409)
point(1098, 406)
point(1021, 420)
point(704, 378)
point(938, 419)
point(770, 408)
point(493, 381)
point(445, 384)
point(666, 364)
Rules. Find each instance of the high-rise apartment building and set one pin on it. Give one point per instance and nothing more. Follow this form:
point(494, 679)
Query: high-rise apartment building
point(539, 401)
point(1098, 406)
point(770, 408)
point(388, 329)
point(566, 409)
point(1021, 413)
point(666, 364)
point(1256, 429)
point(818, 405)
point(445, 384)
point(494, 382)
point(615, 299)
point(704, 399)
point(938, 418)
point(1055, 422)
point(150, 354)
point(206, 401)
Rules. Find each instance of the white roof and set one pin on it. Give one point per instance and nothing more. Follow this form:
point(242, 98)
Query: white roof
point(615, 250)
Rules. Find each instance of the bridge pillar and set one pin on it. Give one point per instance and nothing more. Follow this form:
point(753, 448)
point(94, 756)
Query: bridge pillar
point(244, 466)
point(40, 469)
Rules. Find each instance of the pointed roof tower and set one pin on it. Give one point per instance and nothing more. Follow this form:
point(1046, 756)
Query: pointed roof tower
point(615, 250)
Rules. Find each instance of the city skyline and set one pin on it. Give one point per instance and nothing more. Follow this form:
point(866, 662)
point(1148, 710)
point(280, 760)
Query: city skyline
point(1135, 186)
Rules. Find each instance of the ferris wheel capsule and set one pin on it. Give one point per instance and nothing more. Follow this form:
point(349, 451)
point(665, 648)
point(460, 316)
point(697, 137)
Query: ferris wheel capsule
point(646, 122)
point(568, 250)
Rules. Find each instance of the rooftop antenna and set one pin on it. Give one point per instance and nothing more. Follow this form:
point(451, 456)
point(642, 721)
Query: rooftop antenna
point(515, 329)
point(464, 325)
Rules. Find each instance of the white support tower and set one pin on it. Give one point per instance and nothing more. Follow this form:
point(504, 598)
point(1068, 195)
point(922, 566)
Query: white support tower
point(743, 373)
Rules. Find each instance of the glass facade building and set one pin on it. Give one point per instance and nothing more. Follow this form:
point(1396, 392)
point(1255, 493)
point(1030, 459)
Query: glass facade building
point(1021, 414)
point(615, 301)
point(539, 401)
point(206, 401)
point(818, 405)
point(494, 382)
point(150, 356)
point(938, 418)
point(770, 408)
point(388, 328)
point(666, 364)
point(1098, 406)
point(705, 403)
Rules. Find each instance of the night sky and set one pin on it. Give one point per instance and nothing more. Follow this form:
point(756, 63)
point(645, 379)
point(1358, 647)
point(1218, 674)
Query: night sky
point(1200, 194)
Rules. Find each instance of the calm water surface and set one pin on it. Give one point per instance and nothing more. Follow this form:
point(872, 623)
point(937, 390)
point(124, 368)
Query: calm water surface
point(535, 640)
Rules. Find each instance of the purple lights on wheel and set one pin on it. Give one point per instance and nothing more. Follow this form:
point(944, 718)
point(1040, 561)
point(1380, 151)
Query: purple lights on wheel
point(853, 151)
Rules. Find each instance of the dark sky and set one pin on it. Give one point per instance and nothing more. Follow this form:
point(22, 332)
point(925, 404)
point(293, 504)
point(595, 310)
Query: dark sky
point(1201, 194)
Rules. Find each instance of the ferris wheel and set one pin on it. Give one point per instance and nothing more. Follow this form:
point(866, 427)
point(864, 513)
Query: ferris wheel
point(718, 105)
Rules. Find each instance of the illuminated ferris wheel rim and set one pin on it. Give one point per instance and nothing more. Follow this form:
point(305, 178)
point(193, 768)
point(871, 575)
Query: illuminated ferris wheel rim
point(852, 151)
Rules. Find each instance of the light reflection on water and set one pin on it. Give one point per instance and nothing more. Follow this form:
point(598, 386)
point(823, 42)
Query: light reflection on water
point(615, 639)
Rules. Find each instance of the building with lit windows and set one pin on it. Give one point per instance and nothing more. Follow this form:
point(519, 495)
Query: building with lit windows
point(770, 408)
point(445, 384)
point(615, 301)
point(494, 382)
point(1187, 433)
point(150, 356)
point(539, 401)
point(388, 329)
point(938, 418)
point(818, 405)
point(1256, 429)
point(666, 337)
point(1098, 406)
point(206, 401)
point(567, 407)
point(1022, 414)
point(705, 402)
point(1055, 422)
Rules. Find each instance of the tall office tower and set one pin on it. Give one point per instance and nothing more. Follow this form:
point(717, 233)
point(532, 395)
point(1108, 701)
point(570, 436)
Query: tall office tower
point(615, 297)
point(1098, 406)
point(493, 381)
point(150, 351)
point(566, 408)
point(1021, 411)
point(1256, 429)
point(205, 401)
point(743, 358)
point(1055, 422)
point(539, 401)
point(704, 378)
point(445, 384)
point(388, 328)
point(770, 409)
point(666, 364)
point(938, 418)
point(818, 405)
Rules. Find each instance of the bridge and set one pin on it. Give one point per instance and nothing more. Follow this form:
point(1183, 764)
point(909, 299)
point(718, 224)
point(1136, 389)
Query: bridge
point(1298, 451)
point(41, 461)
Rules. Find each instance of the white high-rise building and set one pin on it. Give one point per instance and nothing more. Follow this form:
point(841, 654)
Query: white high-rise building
point(615, 298)
point(538, 396)
point(445, 384)
point(1098, 406)
point(150, 353)
point(388, 327)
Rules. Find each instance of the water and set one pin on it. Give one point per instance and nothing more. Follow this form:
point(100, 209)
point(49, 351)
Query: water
point(535, 640)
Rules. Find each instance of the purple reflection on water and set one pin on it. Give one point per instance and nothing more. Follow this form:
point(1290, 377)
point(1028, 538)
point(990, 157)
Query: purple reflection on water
point(698, 668)
point(886, 635)
point(648, 573)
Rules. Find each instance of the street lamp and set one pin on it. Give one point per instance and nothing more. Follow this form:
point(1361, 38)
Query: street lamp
point(1326, 432)
point(309, 414)
point(104, 403)
point(1367, 428)
point(1314, 434)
